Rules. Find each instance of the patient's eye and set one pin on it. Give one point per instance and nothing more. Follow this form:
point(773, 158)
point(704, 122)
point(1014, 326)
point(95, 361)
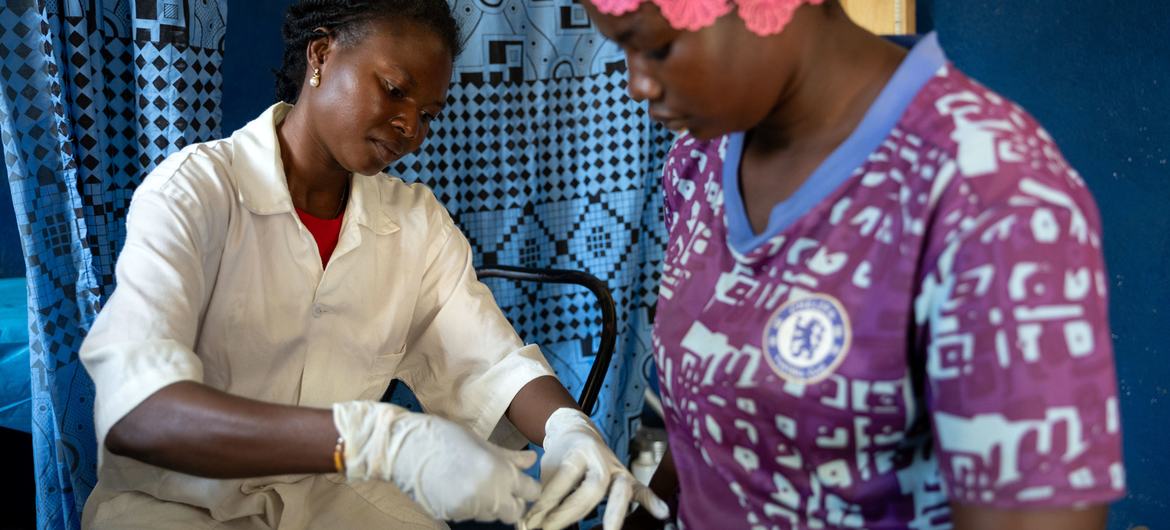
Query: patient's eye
point(661, 52)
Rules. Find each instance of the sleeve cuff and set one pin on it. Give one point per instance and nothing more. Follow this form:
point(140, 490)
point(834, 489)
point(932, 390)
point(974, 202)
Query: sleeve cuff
point(126, 374)
point(496, 389)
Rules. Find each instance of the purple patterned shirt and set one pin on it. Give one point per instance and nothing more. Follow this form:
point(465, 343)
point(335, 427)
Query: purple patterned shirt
point(923, 321)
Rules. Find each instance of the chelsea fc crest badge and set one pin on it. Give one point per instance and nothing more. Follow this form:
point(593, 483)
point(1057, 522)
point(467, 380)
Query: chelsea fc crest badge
point(805, 340)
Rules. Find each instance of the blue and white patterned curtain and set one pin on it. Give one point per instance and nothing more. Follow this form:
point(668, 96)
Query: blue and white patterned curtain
point(93, 94)
point(545, 162)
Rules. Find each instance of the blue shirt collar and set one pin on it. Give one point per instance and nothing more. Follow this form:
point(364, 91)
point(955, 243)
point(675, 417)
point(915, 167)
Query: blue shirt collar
point(919, 67)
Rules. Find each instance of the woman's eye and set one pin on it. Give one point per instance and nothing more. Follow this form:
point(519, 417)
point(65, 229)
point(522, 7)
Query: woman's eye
point(661, 52)
point(394, 91)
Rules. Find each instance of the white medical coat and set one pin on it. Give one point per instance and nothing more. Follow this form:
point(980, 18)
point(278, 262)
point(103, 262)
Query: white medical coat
point(219, 282)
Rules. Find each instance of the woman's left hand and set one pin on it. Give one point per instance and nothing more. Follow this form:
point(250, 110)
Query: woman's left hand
point(577, 471)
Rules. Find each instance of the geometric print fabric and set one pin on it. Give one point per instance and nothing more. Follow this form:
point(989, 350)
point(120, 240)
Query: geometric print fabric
point(93, 94)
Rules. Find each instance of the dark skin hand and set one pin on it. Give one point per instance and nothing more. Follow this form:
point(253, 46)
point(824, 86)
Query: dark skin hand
point(374, 104)
point(822, 74)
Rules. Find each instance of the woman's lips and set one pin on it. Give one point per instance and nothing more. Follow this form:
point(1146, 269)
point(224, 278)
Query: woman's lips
point(673, 122)
point(386, 151)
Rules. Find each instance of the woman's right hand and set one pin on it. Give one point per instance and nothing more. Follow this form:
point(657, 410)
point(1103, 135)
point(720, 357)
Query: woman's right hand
point(444, 467)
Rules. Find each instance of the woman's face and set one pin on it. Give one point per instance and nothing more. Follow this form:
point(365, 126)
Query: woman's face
point(720, 79)
point(379, 90)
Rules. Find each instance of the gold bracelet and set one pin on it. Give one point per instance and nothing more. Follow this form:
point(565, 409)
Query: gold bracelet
point(339, 455)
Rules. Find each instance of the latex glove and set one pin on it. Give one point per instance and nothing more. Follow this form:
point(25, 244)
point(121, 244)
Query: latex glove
point(577, 470)
point(448, 470)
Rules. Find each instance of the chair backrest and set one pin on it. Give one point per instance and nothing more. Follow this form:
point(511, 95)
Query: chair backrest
point(587, 399)
point(591, 389)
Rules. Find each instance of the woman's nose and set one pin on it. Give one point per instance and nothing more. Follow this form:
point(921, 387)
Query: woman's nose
point(643, 86)
point(406, 123)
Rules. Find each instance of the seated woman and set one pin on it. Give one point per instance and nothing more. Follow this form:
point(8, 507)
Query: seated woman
point(883, 302)
point(272, 285)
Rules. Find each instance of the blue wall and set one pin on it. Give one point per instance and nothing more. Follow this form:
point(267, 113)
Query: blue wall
point(253, 49)
point(1098, 78)
point(11, 255)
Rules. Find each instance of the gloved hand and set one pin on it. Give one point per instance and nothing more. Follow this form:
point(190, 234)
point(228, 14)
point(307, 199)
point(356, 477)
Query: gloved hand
point(452, 473)
point(576, 458)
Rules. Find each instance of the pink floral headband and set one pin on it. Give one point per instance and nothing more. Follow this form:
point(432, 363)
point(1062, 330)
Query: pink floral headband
point(763, 17)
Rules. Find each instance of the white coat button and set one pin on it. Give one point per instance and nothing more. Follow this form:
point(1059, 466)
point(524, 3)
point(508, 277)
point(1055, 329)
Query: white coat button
point(319, 309)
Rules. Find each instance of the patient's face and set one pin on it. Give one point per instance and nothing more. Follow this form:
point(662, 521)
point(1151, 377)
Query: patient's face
point(719, 79)
point(378, 93)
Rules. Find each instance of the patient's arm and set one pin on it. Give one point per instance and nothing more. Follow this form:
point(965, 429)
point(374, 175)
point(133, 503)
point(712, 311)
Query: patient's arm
point(981, 518)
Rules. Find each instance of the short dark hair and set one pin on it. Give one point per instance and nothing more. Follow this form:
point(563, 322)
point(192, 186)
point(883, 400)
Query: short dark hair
point(345, 19)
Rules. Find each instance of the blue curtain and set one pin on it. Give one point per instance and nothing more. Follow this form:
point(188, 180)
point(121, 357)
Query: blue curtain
point(93, 94)
point(544, 161)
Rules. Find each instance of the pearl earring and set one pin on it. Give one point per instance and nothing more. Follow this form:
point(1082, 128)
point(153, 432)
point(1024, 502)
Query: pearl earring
point(316, 79)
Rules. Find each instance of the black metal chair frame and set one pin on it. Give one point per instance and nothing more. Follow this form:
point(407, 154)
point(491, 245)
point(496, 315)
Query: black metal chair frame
point(587, 399)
